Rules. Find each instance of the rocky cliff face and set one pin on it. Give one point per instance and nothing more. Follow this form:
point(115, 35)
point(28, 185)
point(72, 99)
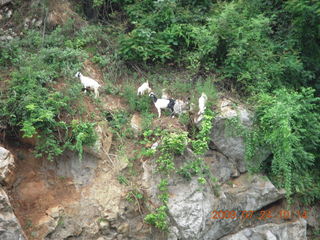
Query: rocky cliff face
point(197, 211)
point(9, 225)
point(90, 203)
point(83, 200)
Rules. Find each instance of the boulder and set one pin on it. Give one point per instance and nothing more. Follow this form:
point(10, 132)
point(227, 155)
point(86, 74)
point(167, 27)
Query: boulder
point(191, 204)
point(189, 207)
point(6, 165)
point(220, 166)
point(10, 228)
point(226, 140)
point(249, 193)
point(271, 231)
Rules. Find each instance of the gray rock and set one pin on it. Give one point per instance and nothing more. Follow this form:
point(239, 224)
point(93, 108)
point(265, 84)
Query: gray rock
point(173, 233)
point(190, 205)
point(6, 165)
point(180, 107)
point(10, 228)
point(104, 227)
point(69, 165)
point(226, 140)
point(251, 194)
point(221, 167)
point(271, 231)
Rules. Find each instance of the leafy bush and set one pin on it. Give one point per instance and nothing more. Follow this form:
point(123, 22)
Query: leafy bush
point(10, 53)
point(249, 44)
point(82, 134)
point(159, 219)
point(136, 103)
point(288, 122)
point(163, 188)
point(174, 143)
point(119, 124)
point(144, 45)
point(32, 105)
point(200, 143)
point(193, 168)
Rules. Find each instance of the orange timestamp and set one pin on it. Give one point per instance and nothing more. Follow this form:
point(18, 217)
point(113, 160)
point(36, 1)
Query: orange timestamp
point(260, 215)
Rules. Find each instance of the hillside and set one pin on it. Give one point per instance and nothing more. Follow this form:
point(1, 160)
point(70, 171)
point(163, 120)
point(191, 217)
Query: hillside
point(234, 154)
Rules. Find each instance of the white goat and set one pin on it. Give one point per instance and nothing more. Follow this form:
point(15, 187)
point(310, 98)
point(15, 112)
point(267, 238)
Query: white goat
point(144, 88)
point(162, 103)
point(202, 103)
point(155, 145)
point(89, 83)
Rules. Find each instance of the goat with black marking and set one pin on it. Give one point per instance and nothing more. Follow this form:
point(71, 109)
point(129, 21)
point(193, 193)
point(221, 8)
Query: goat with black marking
point(89, 83)
point(160, 103)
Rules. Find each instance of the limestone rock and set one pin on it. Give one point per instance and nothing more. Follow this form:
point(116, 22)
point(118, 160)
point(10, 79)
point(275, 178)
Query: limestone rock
point(104, 226)
point(9, 226)
point(6, 165)
point(221, 167)
point(291, 230)
point(251, 193)
point(228, 143)
point(190, 205)
point(173, 233)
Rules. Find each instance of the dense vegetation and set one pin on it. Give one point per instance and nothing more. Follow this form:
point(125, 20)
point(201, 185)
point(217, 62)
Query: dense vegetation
point(266, 50)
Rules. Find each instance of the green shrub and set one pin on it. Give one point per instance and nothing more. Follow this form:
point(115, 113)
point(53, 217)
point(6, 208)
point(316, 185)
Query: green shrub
point(249, 44)
point(136, 103)
point(200, 143)
point(174, 143)
point(82, 134)
point(144, 45)
point(120, 124)
point(288, 122)
point(159, 219)
point(32, 105)
point(10, 53)
point(193, 168)
point(147, 119)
